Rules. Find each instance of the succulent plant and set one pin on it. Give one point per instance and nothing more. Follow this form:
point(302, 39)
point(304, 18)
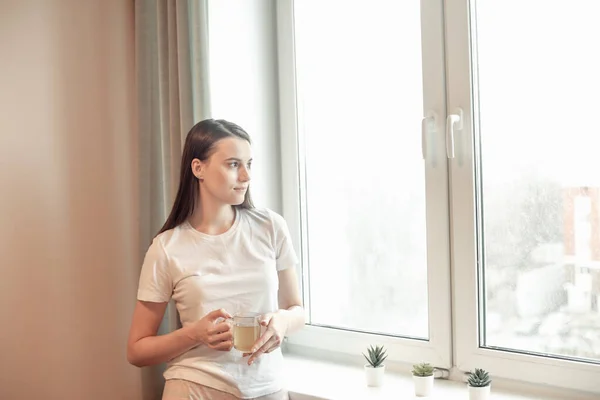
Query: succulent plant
point(376, 356)
point(478, 378)
point(422, 369)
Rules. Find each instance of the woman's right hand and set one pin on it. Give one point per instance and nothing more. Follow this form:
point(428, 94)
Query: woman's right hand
point(213, 331)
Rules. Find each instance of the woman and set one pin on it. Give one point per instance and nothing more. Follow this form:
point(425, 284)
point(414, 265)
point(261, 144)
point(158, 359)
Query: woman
point(215, 256)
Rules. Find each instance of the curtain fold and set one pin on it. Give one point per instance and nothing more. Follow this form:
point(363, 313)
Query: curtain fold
point(171, 38)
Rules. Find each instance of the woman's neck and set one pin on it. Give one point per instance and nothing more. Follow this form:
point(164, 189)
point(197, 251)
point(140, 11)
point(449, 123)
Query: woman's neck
point(212, 219)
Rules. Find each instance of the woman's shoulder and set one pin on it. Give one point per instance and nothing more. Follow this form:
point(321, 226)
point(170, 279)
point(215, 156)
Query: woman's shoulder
point(264, 216)
point(163, 239)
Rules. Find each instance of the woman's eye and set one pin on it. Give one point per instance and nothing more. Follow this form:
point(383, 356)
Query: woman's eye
point(249, 166)
point(233, 164)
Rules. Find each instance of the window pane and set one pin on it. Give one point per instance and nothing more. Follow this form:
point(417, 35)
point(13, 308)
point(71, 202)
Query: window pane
point(360, 110)
point(539, 87)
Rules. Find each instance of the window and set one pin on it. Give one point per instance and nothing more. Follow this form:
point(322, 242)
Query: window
point(526, 199)
point(372, 204)
point(357, 159)
point(395, 112)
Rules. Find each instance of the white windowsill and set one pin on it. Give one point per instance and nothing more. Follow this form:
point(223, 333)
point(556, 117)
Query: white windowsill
point(309, 378)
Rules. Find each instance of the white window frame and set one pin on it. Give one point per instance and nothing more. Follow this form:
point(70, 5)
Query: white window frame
point(436, 350)
point(517, 366)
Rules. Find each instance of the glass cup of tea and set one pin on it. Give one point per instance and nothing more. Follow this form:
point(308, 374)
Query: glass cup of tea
point(246, 331)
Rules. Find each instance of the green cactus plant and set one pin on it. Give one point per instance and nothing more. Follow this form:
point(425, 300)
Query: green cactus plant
point(478, 378)
point(376, 356)
point(422, 369)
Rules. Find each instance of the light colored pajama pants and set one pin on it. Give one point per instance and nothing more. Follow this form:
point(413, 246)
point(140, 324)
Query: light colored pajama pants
point(179, 389)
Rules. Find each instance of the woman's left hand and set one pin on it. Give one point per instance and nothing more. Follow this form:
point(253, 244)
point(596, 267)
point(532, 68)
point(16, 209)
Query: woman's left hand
point(276, 324)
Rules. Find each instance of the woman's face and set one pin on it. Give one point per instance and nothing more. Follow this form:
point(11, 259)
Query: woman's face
point(225, 176)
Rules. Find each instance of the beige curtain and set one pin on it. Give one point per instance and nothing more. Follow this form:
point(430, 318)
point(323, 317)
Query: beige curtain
point(172, 88)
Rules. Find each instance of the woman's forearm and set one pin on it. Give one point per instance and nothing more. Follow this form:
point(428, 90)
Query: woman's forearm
point(295, 318)
point(153, 350)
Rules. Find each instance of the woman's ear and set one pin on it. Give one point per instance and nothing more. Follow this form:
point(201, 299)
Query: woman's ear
point(198, 169)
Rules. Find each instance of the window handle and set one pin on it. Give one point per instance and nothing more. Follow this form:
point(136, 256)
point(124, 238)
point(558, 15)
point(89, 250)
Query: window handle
point(454, 122)
point(427, 132)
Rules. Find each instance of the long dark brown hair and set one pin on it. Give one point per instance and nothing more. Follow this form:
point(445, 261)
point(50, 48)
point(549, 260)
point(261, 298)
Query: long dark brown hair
point(200, 143)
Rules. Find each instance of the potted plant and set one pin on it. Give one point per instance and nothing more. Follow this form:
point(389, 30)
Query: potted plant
point(423, 379)
point(375, 368)
point(479, 382)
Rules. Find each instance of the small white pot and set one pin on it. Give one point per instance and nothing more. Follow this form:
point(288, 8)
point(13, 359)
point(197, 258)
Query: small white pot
point(374, 375)
point(479, 393)
point(423, 385)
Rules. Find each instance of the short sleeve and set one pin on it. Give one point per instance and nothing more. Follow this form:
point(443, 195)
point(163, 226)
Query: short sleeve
point(156, 284)
point(285, 254)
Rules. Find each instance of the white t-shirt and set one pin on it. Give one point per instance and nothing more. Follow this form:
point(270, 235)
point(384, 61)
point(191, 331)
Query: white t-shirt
point(236, 271)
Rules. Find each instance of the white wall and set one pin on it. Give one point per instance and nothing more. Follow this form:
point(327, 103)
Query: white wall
point(243, 79)
point(68, 199)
